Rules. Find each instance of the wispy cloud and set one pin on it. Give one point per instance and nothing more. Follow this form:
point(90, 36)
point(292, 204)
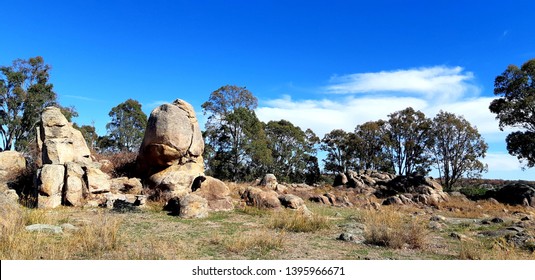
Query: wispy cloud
point(438, 82)
point(504, 34)
point(83, 98)
point(502, 162)
point(154, 104)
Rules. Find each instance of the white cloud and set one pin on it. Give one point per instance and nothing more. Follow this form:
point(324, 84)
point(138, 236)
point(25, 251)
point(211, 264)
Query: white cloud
point(324, 115)
point(438, 82)
point(83, 98)
point(502, 162)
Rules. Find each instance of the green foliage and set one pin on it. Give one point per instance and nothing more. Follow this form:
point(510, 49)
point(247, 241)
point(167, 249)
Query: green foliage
point(457, 148)
point(293, 152)
point(90, 135)
point(236, 144)
point(408, 138)
point(127, 126)
point(340, 147)
point(371, 148)
point(24, 92)
point(514, 108)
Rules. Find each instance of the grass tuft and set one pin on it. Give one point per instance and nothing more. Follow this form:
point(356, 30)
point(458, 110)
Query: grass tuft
point(394, 230)
point(298, 222)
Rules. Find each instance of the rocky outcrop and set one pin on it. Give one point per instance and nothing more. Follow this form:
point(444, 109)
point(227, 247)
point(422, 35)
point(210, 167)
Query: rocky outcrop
point(68, 175)
point(408, 189)
point(170, 158)
point(261, 198)
point(515, 194)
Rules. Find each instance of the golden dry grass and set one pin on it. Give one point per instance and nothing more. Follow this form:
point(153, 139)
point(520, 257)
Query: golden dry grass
point(457, 207)
point(393, 229)
point(258, 240)
point(298, 222)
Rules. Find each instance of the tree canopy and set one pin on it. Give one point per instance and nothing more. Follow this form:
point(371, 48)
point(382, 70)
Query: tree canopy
point(457, 148)
point(25, 91)
point(236, 144)
point(127, 126)
point(515, 107)
point(340, 147)
point(293, 151)
point(408, 139)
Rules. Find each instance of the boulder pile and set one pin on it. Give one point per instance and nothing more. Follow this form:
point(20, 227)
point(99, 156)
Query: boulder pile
point(68, 175)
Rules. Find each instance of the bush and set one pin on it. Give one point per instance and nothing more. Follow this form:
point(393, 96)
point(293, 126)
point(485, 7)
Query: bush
point(121, 164)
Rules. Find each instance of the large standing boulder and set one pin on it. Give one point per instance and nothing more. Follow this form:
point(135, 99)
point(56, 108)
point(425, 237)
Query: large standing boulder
point(172, 137)
point(170, 156)
point(12, 164)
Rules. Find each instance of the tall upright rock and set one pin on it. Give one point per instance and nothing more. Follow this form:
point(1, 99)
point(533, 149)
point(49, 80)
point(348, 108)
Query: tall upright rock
point(68, 175)
point(170, 158)
point(171, 151)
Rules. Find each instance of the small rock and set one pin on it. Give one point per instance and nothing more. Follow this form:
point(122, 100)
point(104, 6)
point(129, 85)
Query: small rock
point(346, 237)
point(515, 228)
point(437, 218)
point(493, 201)
point(434, 225)
point(526, 218)
point(44, 228)
point(68, 227)
point(459, 236)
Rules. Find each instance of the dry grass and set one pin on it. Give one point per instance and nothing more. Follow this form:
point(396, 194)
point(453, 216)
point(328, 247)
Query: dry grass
point(91, 241)
point(498, 249)
point(298, 222)
point(394, 230)
point(260, 241)
point(457, 207)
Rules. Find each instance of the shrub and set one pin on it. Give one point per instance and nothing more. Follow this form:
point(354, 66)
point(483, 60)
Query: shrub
point(122, 164)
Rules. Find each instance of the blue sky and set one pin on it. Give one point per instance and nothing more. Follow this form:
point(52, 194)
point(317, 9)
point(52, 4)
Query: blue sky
point(319, 64)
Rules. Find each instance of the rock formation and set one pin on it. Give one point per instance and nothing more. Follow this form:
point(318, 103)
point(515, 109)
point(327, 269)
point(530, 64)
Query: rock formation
point(170, 158)
point(68, 175)
point(518, 193)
